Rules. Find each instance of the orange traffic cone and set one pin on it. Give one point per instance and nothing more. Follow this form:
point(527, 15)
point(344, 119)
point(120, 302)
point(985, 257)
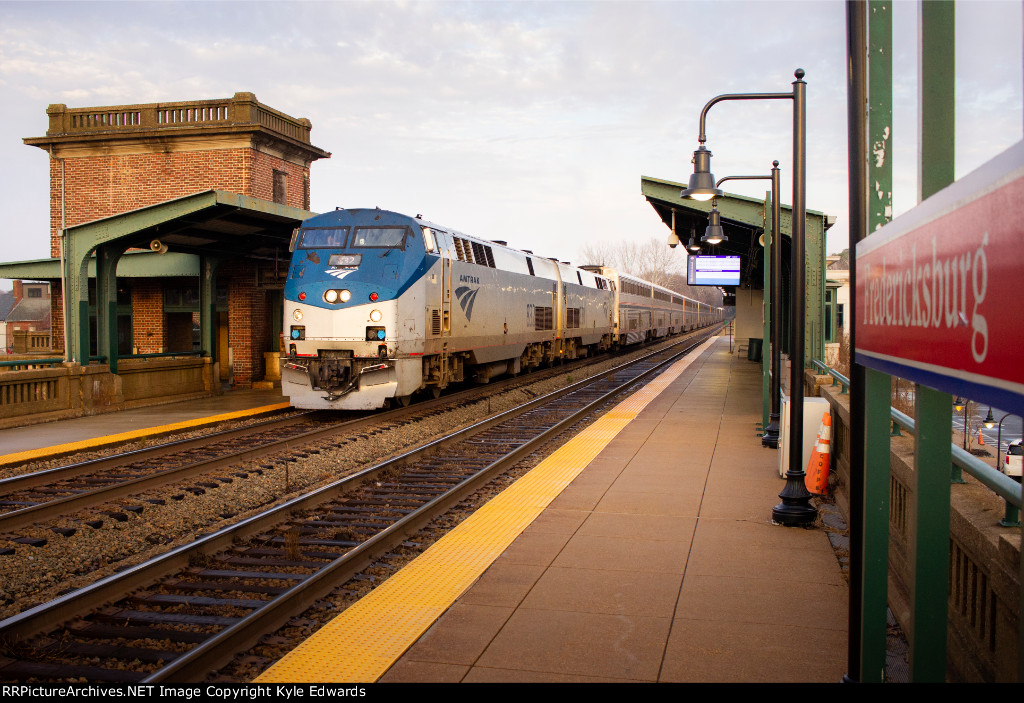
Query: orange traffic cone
point(981, 438)
point(817, 468)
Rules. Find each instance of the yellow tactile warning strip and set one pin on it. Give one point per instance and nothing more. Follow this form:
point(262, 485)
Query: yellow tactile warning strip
point(364, 641)
point(57, 449)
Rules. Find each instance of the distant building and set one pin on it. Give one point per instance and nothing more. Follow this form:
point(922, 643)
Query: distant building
point(6, 303)
point(29, 311)
point(837, 302)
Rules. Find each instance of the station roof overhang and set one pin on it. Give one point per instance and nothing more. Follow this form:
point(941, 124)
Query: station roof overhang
point(744, 220)
point(134, 264)
point(213, 223)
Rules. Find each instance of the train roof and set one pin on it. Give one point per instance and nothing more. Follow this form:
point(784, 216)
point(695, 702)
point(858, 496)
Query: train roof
point(502, 244)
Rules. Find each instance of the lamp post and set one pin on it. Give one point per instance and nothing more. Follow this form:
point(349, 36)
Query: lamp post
point(771, 434)
point(960, 405)
point(795, 508)
point(999, 438)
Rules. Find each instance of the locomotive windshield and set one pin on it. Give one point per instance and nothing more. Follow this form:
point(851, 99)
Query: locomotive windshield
point(379, 237)
point(323, 238)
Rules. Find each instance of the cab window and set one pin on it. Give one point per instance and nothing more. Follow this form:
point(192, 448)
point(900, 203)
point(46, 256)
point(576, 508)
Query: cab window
point(323, 238)
point(379, 237)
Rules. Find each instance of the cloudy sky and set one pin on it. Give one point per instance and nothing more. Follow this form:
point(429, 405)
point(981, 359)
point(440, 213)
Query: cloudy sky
point(525, 121)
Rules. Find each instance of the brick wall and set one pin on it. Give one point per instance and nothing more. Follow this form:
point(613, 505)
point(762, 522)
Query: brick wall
point(105, 185)
point(262, 169)
point(248, 326)
point(56, 316)
point(149, 326)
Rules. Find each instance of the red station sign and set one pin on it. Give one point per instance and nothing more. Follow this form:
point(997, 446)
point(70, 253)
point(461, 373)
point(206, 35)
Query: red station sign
point(939, 294)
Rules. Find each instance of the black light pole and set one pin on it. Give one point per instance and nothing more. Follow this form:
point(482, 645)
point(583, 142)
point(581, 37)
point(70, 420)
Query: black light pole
point(961, 405)
point(999, 438)
point(771, 434)
point(795, 508)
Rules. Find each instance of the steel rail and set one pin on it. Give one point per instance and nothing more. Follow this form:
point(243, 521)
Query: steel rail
point(24, 517)
point(47, 616)
point(219, 649)
point(46, 477)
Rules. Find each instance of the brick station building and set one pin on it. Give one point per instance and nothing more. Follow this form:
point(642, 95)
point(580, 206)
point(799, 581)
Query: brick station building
point(105, 161)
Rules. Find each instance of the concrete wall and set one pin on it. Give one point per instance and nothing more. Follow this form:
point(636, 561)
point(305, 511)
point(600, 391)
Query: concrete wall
point(44, 394)
point(984, 584)
point(749, 315)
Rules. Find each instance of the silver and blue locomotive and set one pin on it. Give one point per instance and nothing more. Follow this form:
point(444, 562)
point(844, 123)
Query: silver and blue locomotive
point(380, 305)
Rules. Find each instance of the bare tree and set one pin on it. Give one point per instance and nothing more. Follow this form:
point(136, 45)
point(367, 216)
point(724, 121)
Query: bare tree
point(599, 254)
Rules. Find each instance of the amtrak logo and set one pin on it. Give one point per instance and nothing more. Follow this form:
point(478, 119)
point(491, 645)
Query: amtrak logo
point(467, 296)
point(339, 273)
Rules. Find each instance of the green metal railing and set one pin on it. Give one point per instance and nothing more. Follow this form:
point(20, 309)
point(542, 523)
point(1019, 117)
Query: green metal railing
point(33, 362)
point(994, 479)
point(53, 361)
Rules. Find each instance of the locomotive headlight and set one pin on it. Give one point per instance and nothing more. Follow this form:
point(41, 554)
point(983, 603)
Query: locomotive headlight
point(345, 296)
point(428, 239)
point(296, 314)
point(376, 315)
point(331, 296)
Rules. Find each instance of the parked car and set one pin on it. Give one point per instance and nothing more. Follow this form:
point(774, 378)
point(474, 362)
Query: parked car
point(1013, 462)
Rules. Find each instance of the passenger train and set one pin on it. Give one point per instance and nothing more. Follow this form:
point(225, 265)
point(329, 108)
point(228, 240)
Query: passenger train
point(380, 305)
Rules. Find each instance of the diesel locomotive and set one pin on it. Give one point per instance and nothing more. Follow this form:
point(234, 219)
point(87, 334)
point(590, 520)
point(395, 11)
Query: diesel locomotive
point(380, 305)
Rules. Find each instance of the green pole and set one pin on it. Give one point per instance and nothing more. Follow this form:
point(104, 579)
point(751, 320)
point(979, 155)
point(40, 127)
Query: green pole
point(929, 537)
point(766, 311)
point(875, 576)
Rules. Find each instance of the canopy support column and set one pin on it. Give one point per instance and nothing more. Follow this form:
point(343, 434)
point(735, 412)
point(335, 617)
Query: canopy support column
point(76, 299)
point(208, 266)
point(107, 257)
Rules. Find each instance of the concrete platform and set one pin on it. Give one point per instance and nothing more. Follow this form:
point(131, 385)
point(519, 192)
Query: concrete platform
point(659, 562)
point(96, 430)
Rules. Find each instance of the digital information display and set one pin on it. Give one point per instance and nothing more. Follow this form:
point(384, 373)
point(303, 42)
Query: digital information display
point(713, 271)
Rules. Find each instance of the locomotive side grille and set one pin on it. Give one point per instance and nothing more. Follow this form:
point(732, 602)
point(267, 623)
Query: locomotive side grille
point(490, 257)
point(543, 319)
point(572, 318)
point(479, 255)
point(435, 322)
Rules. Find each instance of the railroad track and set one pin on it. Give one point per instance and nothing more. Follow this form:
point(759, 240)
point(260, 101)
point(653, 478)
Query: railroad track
point(189, 611)
point(103, 488)
point(193, 465)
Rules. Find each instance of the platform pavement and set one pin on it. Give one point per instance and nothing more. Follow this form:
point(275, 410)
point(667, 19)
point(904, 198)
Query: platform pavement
point(93, 430)
point(659, 562)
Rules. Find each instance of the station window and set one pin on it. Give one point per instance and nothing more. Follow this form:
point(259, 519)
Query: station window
point(280, 187)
